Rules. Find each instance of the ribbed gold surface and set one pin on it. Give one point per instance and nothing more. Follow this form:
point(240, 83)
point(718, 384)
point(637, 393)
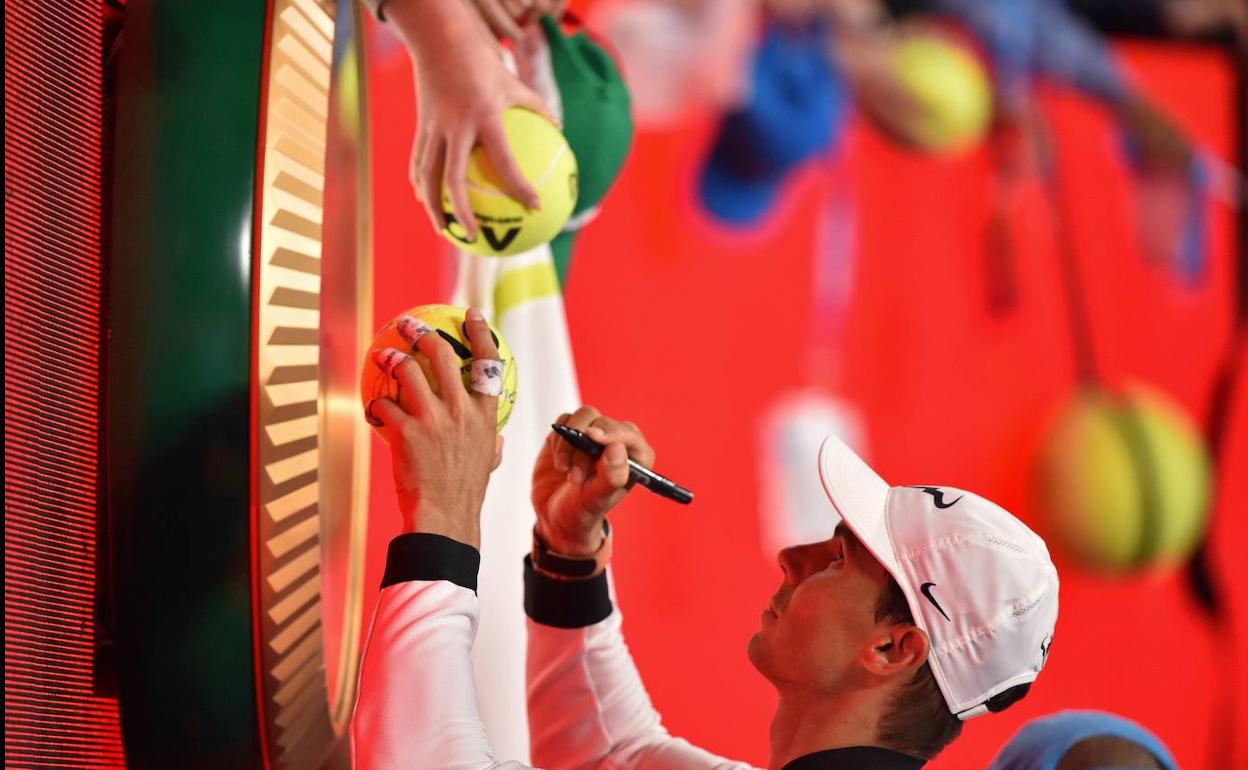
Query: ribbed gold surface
point(295, 413)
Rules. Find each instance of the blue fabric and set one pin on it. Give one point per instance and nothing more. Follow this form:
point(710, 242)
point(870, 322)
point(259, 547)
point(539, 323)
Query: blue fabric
point(1041, 743)
point(1027, 38)
point(796, 108)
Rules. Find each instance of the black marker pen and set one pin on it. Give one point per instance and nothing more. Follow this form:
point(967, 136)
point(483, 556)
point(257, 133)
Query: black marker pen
point(638, 473)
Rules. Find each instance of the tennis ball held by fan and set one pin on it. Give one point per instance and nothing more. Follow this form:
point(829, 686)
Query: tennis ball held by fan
point(951, 86)
point(448, 322)
point(505, 225)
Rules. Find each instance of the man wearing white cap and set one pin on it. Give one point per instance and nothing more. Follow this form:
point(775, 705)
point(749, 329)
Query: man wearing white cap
point(930, 605)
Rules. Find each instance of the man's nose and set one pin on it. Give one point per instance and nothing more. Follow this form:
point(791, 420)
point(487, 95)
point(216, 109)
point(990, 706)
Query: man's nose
point(791, 564)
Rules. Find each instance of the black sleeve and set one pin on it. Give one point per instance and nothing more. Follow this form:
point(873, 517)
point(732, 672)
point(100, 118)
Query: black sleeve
point(565, 603)
point(423, 556)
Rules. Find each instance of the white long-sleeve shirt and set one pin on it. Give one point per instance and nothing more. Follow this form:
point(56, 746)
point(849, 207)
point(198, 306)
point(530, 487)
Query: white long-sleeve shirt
point(417, 707)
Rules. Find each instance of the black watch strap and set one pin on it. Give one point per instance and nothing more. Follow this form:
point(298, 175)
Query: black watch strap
point(562, 567)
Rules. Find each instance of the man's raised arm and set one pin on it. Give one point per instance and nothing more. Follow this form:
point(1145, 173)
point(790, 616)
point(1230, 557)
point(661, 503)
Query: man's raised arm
point(587, 705)
point(417, 707)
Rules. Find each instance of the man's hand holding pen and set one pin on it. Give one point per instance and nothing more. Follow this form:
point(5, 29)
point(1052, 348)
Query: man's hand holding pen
point(572, 492)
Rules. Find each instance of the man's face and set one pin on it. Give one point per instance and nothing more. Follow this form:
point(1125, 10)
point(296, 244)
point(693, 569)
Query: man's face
point(822, 620)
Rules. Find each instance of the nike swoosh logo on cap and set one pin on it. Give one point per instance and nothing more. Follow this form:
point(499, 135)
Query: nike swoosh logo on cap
point(926, 588)
point(938, 495)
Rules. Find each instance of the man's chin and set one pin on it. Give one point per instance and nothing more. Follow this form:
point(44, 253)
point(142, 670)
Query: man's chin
point(755, 650)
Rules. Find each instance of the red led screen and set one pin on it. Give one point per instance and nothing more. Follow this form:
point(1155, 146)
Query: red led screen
point(53, 180)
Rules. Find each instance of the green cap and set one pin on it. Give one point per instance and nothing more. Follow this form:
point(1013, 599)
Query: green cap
point(596, 117)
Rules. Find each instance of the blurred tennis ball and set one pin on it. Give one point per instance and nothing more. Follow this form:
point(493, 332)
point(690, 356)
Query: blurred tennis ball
point(448, 322)
point(946, 78)
point(1124, 481)
point(347, 93)
point(505, 225)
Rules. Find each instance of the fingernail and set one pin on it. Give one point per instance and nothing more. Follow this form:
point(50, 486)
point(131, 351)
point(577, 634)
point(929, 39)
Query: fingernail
point(561, 463)
point(370, 417)
point(616, 455)
point(576, 475)
point(475, 315)
point(389, 358)
point(596, 432)
point(412, 329)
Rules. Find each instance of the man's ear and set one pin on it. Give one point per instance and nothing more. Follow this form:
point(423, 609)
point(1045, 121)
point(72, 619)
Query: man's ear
point(897, 650)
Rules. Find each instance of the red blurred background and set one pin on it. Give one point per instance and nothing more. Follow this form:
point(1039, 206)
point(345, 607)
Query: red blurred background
point(691, 330)
point(688, 328)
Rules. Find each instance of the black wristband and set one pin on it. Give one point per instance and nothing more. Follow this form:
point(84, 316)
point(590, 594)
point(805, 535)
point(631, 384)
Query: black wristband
point(425, 556)
point(565, 603)
point(555, 565)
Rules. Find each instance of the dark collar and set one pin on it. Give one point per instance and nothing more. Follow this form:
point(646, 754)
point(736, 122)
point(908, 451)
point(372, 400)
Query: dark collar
point(855, 758)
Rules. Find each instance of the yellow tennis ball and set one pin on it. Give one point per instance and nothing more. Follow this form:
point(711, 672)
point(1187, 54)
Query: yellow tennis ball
point(1182, 472)
point(448, 322)
point(951, 88)
point(1124, 481)
point(505, 226)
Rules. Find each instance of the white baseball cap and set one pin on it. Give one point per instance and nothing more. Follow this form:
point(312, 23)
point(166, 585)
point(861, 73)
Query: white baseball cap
point(978, 581)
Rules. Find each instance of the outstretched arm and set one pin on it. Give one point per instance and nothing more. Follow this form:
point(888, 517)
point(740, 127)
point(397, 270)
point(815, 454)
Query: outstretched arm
point(462, 88)
point(417, 707)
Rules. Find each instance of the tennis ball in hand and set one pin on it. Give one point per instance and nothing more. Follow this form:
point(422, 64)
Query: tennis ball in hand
point(448, 322)
point(950, 85)
point(505, 226)
point(1124, 481)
